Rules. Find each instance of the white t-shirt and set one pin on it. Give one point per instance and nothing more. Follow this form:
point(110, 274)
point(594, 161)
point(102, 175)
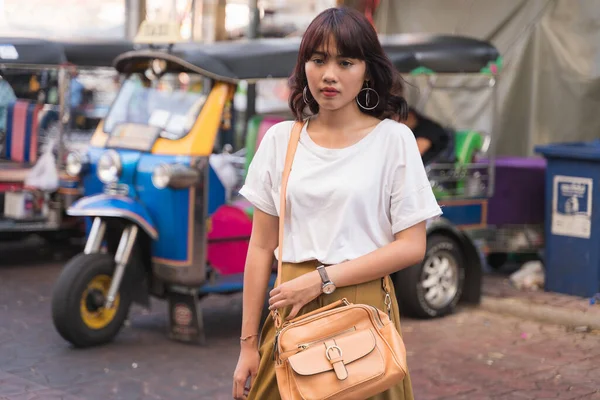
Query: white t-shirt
point(342, 203)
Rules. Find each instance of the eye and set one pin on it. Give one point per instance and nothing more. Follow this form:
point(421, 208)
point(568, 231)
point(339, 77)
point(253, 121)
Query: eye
point(317, 61)
point(346, 64)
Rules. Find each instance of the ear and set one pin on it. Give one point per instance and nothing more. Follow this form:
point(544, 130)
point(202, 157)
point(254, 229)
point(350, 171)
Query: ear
point(368, 76)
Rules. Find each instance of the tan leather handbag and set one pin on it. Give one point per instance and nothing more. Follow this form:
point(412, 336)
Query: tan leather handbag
point(341, 351)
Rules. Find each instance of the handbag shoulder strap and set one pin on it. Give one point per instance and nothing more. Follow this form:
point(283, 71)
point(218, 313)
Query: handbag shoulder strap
point(287, 168)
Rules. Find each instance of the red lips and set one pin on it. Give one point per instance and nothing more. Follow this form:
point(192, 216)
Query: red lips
point(329, 91)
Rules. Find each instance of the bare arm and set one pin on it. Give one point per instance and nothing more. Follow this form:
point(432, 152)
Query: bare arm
point(263, 242)
point(423, 144)
point(407, 249)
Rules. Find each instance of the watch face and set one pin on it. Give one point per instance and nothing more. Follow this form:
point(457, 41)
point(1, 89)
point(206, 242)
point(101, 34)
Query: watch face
point(329, 288)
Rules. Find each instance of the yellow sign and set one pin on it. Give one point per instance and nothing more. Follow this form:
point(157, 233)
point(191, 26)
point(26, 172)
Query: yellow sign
point(158, 33)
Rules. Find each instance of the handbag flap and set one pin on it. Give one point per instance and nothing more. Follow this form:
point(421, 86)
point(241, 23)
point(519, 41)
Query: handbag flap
point(314, 359)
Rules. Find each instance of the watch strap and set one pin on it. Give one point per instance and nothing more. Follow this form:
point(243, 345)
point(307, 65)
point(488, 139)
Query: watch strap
point(323, 273)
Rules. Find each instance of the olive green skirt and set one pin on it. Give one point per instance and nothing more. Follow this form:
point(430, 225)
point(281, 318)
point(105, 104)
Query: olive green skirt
point(264, 386)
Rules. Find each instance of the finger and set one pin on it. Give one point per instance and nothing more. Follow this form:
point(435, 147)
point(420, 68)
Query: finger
point(279, 304)
point(294, 312)
point(275, 291)
point(275, 299)
point(238, 388)
point(234, 390)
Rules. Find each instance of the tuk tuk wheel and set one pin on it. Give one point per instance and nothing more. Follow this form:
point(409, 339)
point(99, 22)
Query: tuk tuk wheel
point(77, 302)
point(432, 288)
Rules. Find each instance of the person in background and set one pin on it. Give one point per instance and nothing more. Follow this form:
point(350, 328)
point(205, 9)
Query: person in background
point(7, 96)
point(432, 138)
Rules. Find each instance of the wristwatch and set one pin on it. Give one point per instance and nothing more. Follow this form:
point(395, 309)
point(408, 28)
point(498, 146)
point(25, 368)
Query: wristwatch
point(328, 286)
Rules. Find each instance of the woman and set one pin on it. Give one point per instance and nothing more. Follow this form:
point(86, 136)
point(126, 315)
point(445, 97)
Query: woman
point(357, 198)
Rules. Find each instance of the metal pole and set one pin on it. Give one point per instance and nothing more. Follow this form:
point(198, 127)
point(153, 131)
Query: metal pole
point(64, 105)
point(193, 20)
point(494, 139)
point(254, 23)
point(253, 33)
point(219, 18)
point(135, 13)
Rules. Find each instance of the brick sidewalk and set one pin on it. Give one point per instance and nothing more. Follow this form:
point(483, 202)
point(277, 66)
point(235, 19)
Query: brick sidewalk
point(501, 296)
point(473, 354)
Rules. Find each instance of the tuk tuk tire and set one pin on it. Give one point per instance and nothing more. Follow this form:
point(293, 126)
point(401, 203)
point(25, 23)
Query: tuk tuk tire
point(407, 282)
point(67, 297)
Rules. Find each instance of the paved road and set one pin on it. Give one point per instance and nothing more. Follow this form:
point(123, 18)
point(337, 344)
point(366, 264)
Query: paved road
point(470, 355)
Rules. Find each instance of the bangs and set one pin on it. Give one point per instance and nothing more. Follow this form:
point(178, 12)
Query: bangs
point(335, 27)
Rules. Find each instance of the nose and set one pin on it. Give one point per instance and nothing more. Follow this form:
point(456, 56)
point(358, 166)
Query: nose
point(329, 73)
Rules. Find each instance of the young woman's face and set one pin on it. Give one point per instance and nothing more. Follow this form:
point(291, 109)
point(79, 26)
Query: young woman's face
point(334, 81)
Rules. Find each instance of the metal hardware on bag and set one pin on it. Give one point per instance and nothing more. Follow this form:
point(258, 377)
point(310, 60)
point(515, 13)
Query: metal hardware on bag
point(373, 310)
point(276, 319)
point(331, 348)
point(388, 303)
point(275, 347)
point(304, 346)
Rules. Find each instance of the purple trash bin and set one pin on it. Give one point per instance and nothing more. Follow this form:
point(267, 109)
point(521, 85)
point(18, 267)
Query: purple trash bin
point(519, 192)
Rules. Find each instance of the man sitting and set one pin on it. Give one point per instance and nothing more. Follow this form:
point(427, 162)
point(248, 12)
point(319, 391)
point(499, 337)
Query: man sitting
point(432, 138)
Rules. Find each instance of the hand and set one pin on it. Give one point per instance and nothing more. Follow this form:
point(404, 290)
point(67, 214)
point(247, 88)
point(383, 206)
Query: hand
point(296, 293)
point(247, 366)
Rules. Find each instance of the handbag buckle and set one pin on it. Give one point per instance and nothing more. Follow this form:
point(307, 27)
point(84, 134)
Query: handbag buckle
point(331, 348)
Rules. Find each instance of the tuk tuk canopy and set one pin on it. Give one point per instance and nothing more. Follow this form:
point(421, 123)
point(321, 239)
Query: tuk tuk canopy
point(43, 53)
point(22, 51)
point(253, 60)
point(95, 53)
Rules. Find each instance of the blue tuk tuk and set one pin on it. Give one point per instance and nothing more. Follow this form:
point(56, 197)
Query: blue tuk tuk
point(162, 223)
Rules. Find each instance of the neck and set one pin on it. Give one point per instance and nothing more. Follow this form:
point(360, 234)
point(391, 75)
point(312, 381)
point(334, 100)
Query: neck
point(348, 116)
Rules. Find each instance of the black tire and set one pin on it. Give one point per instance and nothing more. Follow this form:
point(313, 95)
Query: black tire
point(72, 283)
point(408, 282)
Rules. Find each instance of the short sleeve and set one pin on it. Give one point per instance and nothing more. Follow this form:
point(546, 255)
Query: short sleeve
point(258, 187)
point(412, 199)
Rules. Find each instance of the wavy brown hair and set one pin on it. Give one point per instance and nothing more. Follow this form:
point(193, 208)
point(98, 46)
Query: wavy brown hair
point(355, 37)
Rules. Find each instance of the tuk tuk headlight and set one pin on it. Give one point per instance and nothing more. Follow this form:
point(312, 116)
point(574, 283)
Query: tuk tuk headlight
point(75, 164)
point(176, 176)
point(109, 167)
point(161, 176)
